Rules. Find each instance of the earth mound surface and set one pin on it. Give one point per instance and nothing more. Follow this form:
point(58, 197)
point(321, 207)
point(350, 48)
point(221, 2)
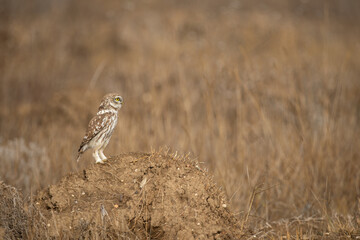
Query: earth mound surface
point(137, 196)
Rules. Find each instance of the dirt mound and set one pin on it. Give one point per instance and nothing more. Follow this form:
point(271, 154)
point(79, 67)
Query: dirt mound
point(134, 196)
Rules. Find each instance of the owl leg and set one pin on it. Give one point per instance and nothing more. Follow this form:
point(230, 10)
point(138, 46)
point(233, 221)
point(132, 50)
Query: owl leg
point(101, 151)
point(96, 156)
point(102, 156)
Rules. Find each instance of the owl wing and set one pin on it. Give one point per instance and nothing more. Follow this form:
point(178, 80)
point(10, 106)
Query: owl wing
point(96, 125)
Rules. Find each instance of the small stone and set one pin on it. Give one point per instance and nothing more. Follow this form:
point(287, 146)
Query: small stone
point(83, 193)
point(48, 224)
point(143, 182)
point(224, 205)
point(116, 206)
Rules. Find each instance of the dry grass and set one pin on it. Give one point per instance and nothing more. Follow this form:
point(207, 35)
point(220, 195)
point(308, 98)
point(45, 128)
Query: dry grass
point(266, 95)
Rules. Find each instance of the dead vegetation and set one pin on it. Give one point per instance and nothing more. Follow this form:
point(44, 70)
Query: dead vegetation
point(264, 95)
point(13, 219)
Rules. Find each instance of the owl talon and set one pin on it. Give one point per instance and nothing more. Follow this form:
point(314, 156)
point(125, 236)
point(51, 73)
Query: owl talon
point(99, 162)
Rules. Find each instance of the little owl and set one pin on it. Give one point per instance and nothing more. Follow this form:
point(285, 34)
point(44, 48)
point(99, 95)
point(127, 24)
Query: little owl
point(101, 127)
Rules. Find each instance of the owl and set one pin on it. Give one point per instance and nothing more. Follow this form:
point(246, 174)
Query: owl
point(101, 127)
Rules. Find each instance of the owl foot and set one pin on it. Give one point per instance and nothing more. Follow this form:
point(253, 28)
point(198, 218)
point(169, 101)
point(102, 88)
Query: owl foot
point(100, 162)
point(98, 159)
point(102, 156)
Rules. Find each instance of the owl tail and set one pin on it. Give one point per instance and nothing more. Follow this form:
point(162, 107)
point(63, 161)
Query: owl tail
point(81, 150)
point(78, 157)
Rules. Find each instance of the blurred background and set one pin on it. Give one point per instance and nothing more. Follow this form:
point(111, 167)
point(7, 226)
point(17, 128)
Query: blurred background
point(265, 94)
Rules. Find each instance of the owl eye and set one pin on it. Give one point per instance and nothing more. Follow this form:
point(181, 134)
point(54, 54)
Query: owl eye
point(117, 99)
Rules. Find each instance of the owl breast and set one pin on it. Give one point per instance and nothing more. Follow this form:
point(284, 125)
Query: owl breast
point(107, 126)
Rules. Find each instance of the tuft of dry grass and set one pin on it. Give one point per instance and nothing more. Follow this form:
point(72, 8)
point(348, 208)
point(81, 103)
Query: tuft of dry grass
point(13, 218)
point(263, 94)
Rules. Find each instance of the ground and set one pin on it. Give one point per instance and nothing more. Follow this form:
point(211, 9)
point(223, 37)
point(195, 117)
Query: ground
point(136, 196)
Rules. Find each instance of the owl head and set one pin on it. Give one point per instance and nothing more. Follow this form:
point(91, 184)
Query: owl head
point(111, 101)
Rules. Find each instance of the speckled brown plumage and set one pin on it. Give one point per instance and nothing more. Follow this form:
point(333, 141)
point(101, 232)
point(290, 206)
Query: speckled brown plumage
point(101, 127)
